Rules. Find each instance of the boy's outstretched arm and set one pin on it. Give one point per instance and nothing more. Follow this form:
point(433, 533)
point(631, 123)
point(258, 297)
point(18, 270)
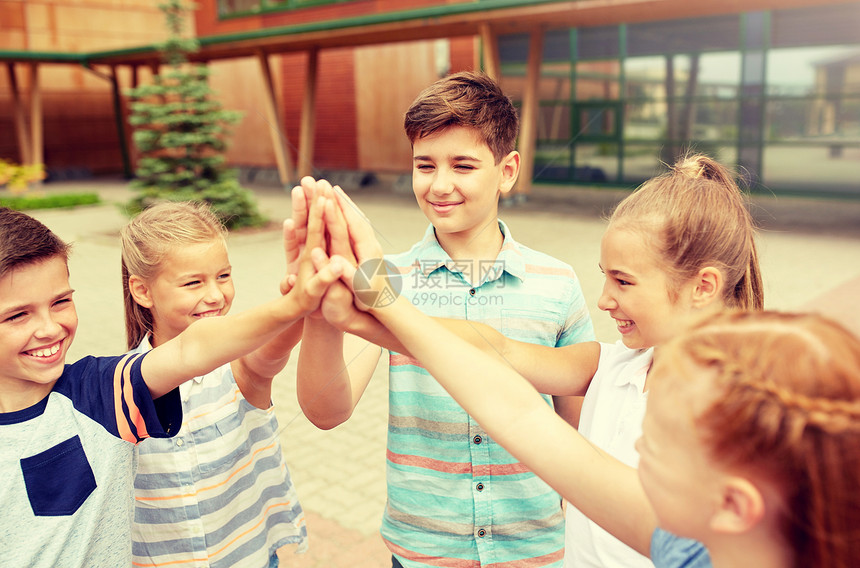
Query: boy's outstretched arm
point(333, 370)
point(209, 343)
point(552, 370)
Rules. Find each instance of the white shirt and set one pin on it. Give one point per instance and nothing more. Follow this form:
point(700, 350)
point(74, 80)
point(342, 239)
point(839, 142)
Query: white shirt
point(611, 419)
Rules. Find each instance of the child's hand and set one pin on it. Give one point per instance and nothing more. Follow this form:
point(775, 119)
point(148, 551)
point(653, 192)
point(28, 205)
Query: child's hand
point(296, 229)
point(292, 250)
point(315, 272)
point(337, 307)
point(359, 231)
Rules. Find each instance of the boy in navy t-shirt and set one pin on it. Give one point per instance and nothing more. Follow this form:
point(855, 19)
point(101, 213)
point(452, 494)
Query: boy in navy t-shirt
point(67, 432)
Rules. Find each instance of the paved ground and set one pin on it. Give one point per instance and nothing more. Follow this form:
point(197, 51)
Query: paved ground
point(810, 253)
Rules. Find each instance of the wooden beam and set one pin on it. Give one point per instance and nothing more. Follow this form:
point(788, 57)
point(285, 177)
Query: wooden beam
point(490, 45)
point(119, 115)
point(230, 42)
point(528, 113)
point(133, 154)
point(279, 137)
point(21, 133)
point(37, 153)
point(306, 132)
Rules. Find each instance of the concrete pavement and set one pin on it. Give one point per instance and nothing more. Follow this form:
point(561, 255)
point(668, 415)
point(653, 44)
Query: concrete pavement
point(810, 254)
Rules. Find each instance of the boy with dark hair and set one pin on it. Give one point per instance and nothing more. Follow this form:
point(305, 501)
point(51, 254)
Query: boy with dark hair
point(67, 432)
point(455, 497)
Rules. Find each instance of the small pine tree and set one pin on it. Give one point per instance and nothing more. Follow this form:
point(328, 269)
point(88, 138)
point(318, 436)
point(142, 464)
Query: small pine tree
point(181, 133)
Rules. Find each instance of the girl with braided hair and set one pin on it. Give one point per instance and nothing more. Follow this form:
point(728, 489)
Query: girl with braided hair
point(751, 442)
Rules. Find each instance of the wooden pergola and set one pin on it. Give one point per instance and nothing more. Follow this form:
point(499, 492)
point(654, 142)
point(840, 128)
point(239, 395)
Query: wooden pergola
point(487, 19)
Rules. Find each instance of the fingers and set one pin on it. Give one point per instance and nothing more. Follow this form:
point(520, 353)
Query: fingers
point(329, 270)
point(299, 212)
point(287, 283)
point(310, 289)
point(292, 247)
point(362, 238)
point(338, 232)
point(316, 227)
point(337, 307)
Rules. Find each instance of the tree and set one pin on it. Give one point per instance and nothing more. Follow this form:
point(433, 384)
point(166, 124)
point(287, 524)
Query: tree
point(181, 133)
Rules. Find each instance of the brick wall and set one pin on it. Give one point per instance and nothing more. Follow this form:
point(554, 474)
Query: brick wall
point(335, 143)
point(79, 128)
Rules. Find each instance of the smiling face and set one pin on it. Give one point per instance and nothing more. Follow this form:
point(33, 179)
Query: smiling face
point(636, 290)
point(37, 325)
point(194, 282)
point(457, 183)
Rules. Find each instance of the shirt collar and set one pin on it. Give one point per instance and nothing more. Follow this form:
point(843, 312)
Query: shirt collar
point(430, 256)
point(635, 370)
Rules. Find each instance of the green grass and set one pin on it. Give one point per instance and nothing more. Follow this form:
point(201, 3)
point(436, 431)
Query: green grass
point(62, 200)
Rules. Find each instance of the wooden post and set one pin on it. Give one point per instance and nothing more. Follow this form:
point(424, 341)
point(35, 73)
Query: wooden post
point(23, 136)
point(37, 153)
point(119, 118)
point(490, 41)
point(306, 132)
point(279, 138)
point(132, 147)
point(528, 114)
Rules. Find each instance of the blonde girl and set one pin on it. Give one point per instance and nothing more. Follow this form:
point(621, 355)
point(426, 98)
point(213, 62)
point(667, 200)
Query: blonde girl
point(219, 492)
point(678, 249)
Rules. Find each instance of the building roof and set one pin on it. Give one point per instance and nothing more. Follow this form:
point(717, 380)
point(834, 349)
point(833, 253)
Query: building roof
point(441, 21)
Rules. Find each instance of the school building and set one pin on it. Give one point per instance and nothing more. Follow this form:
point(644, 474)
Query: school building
point(607, 89)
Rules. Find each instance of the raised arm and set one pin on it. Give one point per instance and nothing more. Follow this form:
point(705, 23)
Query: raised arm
point(255, 371)
point(558, 371)
point(333, 370)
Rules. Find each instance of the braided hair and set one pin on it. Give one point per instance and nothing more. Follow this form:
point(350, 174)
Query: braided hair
point(788, 408)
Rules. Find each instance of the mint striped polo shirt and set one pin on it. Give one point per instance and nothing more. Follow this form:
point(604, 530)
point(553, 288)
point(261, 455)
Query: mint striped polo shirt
point(455, 497)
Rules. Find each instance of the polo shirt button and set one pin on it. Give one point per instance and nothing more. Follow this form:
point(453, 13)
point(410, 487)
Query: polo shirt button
point(479, 487)
point(472, 292)
point(477, 439)
point(179, 442)
point(482, 533)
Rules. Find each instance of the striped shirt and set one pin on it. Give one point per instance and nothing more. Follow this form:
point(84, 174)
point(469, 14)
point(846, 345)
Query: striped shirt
point(67, 465)
point(455, 497)
point(218, 494)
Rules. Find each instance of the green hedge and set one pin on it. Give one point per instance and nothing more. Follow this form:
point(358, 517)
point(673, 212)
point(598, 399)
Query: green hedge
point(25, 202)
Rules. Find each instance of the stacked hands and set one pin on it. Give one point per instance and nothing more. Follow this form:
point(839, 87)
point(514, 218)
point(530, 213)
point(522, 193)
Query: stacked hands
point(325, 240)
